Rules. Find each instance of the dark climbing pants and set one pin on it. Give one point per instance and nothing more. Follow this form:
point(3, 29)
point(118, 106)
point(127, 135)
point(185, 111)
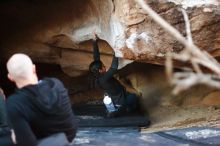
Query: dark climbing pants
point(131, 101)
point(127, 100)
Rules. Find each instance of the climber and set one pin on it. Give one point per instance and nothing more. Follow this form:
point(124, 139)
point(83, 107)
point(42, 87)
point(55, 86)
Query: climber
point(38, 110)
point(123, 101)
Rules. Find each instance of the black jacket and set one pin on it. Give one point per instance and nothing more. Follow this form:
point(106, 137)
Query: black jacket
point(3, 121)
point(38, 111)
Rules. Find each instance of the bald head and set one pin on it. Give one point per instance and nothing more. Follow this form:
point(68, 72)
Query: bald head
point(20, 66)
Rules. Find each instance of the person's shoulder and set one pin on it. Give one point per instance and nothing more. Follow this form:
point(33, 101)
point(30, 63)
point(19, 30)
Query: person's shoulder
point(17, 96)
point(13, 101)
point(52, 79)
point(13, 98)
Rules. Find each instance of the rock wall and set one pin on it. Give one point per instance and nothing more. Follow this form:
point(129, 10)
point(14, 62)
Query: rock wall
point(58, 32)
point(150, 82)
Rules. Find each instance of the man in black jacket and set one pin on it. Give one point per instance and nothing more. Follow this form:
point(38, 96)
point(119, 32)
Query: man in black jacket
point(124, 101)
point(37, 109)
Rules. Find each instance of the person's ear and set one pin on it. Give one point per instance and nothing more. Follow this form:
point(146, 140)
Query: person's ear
point(10, 77)
point(34, 69)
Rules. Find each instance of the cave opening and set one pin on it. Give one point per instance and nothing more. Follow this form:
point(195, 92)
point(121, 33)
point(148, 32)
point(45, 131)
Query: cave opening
point(147, 80)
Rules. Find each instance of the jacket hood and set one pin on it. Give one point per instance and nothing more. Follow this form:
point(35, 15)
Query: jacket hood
point(46, 95)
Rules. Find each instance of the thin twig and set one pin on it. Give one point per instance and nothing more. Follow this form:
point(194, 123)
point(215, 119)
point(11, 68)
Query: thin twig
point(191, 79)
point(169, 66)
point(187, 24)
point(196, 66)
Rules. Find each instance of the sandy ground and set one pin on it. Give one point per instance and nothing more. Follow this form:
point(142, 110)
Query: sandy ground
point(166, 118)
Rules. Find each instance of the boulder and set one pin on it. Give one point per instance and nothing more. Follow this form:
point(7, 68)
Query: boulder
point(60, 32)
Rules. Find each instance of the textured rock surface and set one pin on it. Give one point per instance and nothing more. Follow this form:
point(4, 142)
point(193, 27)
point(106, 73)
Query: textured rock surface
point(58, 32)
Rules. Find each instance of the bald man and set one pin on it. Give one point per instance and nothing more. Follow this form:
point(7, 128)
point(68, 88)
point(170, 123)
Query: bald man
point(37, 109)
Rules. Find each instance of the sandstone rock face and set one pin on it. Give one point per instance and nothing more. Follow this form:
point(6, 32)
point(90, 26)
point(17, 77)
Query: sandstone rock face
point(58, 32)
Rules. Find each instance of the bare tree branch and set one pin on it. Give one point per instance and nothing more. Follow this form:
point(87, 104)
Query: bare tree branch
point(192, 54)
point(188, 30)
point(169, 67)
point(175, 33)
point(196, 66)
point(185, 80)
